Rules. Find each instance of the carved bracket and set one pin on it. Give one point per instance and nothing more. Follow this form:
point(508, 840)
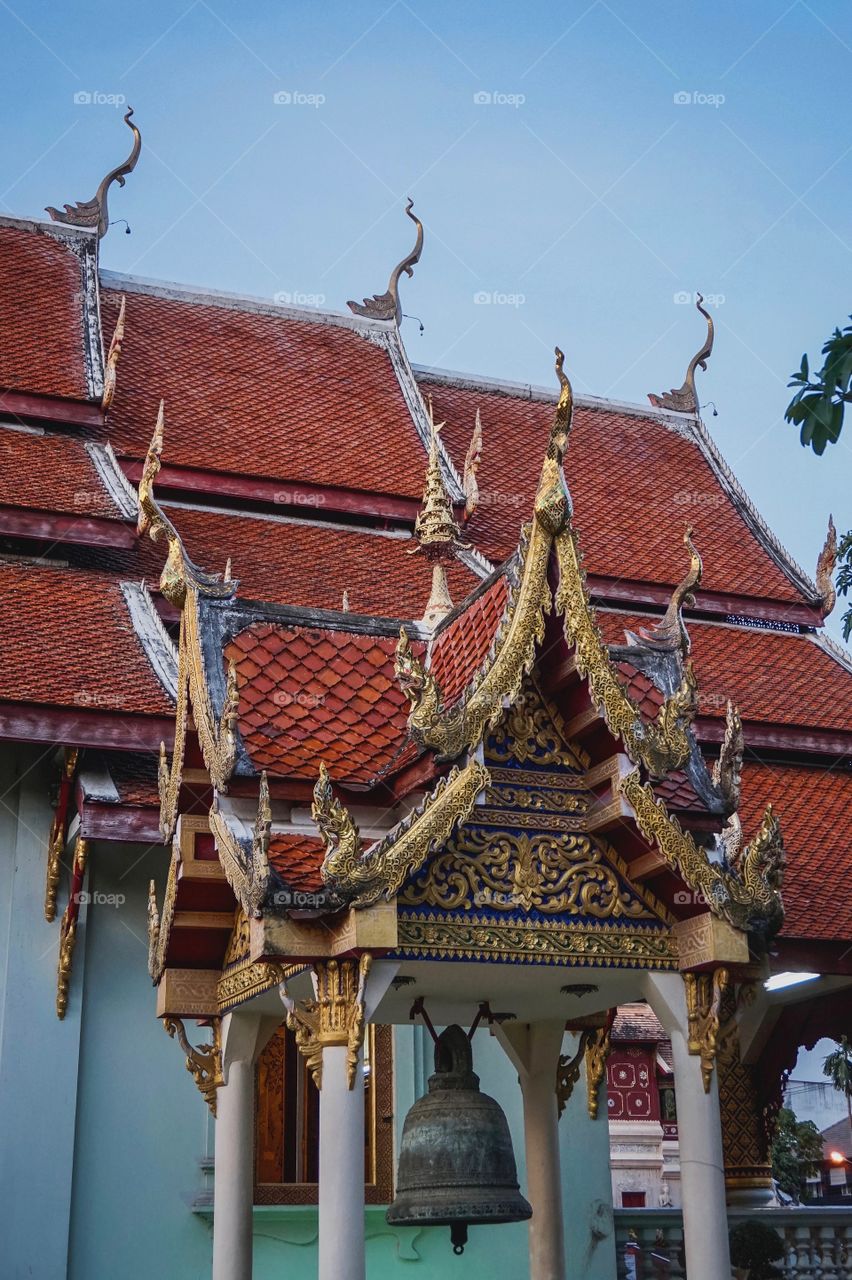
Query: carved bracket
point(334, 1017)
point(704, 992)
point(204, 1064)
point(568, 1073)
point(597, 1050)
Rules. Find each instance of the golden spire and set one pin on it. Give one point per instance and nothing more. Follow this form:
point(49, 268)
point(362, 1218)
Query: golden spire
point(113, 357)
point(471, 466)
point(436, 530)
point(825, 570)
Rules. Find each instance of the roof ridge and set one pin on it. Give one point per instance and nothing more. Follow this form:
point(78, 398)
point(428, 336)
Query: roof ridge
point(833, 648)
point(770, 542)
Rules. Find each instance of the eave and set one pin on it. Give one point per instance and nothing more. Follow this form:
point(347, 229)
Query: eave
point(53, 528)
point(628, 592)
point(27, 407)
point(112, 730)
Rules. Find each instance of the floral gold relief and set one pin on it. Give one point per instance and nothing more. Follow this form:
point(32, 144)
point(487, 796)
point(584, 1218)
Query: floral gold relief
point(334, 1017)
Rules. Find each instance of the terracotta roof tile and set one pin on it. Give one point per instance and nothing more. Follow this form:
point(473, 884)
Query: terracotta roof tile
point(135, 778)
point(258, 394)
point(634, 482)
point(51, 473)
point(67, 640)
point(41, 298)
point(637, 1022)
point(461, 648)
point(297, 859)
point(773, 676)
point(292, 720)
point(813, 805)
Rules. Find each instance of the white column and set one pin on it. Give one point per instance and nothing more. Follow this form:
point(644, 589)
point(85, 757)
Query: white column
point(587, 1181)
point(702, 1167)
point(234, 1178)
point(534, 1049)
point(341, 1169)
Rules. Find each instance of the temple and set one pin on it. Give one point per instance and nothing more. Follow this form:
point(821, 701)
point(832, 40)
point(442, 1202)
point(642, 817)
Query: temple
point(344, 701)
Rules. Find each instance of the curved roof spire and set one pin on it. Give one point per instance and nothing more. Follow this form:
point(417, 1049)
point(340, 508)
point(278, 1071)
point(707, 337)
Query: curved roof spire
point(94, 212)
point(387, 306)
point(684, 399)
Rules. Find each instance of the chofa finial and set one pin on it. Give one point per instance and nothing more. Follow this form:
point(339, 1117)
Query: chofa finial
point(670, 632)
point(387, 306)
point(685, 398)
point(94, 212)
point(825, 570)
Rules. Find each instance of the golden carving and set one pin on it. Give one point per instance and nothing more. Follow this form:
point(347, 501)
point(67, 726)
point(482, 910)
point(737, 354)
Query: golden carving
point(245, 981)
point(68, 929)
point(365, 876)
point(238, 943)
point(704, 992)
point(160, 925)
point(661, 745)
point(568, 1073)
point(727, 770)
point(554, 874)
point(471, 466)
point(56, 839)
point(479, 937)
point(597, 1050)
point(825, 570)
point(217, 736)
point(113, 357)
point(670, 633)
point(157, 525)
point(153, 932)
point(334, 1017)
point(746, 896)
point(542, 800)
point(531, 730)
point(387, 306)
point(246, 868)
point(684, 399)
point(204, 1064)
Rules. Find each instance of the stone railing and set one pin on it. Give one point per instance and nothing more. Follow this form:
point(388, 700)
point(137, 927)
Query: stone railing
point(818, 1240)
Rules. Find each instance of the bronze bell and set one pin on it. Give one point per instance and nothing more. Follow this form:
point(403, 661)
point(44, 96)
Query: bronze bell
point(456, 1163)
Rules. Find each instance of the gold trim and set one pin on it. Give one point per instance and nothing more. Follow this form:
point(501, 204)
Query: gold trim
point(113, 357)
point(364, 877)
point(246, 870)
point(728, 768)
point(204, 1064)
point(68, 929)
point(568, 1074)
point(335, 1017)
point(56, 839)
point(704, 992)
point(160, 924)
point(748, 894)
point(597, 1050)
point(826, 564)
point(471, 466)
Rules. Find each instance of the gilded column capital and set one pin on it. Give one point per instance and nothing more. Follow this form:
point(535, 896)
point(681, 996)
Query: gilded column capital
point(334, 1017)
point(704, 993)
point(597, 1050)
point(204, 1063)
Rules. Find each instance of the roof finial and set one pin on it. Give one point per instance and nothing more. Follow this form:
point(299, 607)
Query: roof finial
point(94, 212)
point(436, 530)
point(825, 570)
point(471, 466)
point(670, 632)
point(387, 306)
point(344, 604)
point(113, 357)
point(685, 398)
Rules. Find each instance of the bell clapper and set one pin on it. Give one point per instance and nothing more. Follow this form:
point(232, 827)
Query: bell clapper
point(458, 1236)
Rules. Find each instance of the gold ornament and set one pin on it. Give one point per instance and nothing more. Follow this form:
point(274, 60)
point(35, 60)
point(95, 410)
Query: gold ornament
point(471, 466)
point(704, 992)
point(113, 358)
point(727, 771)
point(825, 570)
point(568, 1073)
point(204, 1064)
point(597, 1050)
point(68, 928)
point(246, 869)
point(334, 1017)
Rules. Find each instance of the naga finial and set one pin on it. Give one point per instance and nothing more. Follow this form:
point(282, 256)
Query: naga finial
point(727, 771)
point(685, 399)
point(387, 306)
point(552, 503)
point(113, 357)
point(471, 466)
point(670, 632)
point(94, 212)
point(825, 570)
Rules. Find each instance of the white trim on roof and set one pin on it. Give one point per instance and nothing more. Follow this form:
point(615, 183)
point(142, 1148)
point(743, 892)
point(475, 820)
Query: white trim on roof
point(152, 635)
point(273, 518)
point(830, 646)
point(113, 478)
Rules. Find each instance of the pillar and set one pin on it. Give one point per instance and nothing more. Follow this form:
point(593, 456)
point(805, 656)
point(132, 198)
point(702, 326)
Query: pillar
point(341, 1168)
point(748, 1173)
point(534, 1049)
point(587, 1180)
point(702, 1172)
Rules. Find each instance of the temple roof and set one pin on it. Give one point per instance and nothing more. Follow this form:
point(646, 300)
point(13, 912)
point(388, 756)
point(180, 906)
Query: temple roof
point(55, 473)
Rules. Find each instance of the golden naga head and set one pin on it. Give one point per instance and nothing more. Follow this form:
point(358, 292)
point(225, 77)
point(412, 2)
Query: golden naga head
point(553, 503)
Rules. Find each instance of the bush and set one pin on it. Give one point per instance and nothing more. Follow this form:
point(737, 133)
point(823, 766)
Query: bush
point(756, 1245)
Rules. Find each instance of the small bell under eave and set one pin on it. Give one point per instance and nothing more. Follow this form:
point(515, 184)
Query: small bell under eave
point(456, 1163)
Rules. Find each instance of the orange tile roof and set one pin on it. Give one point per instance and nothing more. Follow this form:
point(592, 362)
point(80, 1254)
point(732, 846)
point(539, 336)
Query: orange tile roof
point(258, 394)
point(41, 297)
point(637, 1022)
point(814, 805)
point(297, 859)
point(51, 473)
point(462, 645)
point(312, 565)
point(67, 640)
point(634, 481)
point(773, 676)
point(310, 694)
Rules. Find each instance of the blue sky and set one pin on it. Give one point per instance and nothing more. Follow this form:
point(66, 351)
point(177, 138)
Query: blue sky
point(582, 199)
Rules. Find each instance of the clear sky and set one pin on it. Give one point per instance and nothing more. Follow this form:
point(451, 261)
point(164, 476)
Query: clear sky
point(625, 155)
